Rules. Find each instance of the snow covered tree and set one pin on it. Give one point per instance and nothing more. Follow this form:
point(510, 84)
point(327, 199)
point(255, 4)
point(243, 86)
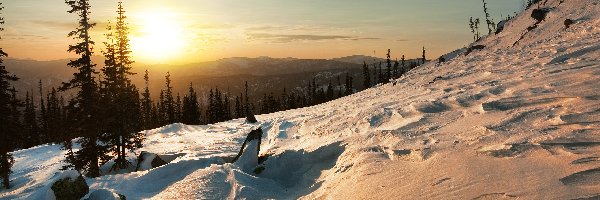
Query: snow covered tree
point(84, 106)
point(191, 108)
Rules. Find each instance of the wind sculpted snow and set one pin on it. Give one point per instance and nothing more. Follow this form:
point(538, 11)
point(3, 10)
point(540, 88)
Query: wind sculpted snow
point(504, 122)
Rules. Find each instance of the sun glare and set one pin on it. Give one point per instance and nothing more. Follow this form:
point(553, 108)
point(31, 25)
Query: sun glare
point(158, 37)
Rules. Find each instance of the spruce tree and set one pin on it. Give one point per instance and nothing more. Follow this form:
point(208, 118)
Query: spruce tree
point(367, 76)
point(43, 119)
point(247, 109)
point(388, 72)
point(30, 126)
point(191, 108)
point(83, 107)
point(120, 98)
point(348, 85)
point(238, 108)
point(396, 72)
point(146, 106)
point(423, 56)
point(9, 118)
point(169, 101)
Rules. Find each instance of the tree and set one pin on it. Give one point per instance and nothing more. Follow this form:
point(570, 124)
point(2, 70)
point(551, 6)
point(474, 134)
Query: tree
point(146, 104)
point(423, 56)
point(396, 72)
point(9, 118)
point(238, 108)
point(388, 72)
point(120, 98)
point(247, 100)
point(191, 109)
point(169, 102)
point(83, 107)
point(490, 22)
point(367, 76)
point(30, 126)
point(348, 85)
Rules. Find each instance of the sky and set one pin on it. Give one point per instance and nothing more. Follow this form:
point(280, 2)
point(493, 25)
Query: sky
point(188, 31)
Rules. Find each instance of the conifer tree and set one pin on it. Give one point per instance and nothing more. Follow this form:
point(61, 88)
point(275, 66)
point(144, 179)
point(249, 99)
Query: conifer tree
point(147, 104)
point(120, 98)
point(396, 72)
point(169, 102)
point(238, 108)
point(247, 108)
point(380, 77)
point(178, 108)
point(191, 108)
point(388, 73)
point(83, 108)
point(367, 76)
point(30, 126)
point(340, 91)
point(403, 65)
point(43, 120)
point(423, 56)
point(9, 118)
point(348, 85)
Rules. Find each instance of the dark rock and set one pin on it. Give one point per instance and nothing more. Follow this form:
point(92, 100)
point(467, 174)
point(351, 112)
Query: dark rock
point(156, 162)
point(250, 118)
point(500, 26)
point(68, 189)
point(253, 135)
point(568, 23)
point(474, 47)
point(539, 14)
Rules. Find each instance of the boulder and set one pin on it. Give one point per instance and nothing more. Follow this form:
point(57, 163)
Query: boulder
point(250, 118)
point(500, 26)
point(147, 160)
point(70, 188)
point(539, 14)
point(568, 23)
point(474, 47)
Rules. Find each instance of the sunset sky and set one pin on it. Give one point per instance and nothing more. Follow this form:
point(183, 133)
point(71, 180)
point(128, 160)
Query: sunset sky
point(187, 31)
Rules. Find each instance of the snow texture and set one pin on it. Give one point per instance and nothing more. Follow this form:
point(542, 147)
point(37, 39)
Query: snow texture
point(515, 120)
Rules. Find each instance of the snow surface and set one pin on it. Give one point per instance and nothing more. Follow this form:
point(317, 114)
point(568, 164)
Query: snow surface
point(504, 122)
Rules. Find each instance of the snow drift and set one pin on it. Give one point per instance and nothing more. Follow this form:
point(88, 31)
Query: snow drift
point(512, 120)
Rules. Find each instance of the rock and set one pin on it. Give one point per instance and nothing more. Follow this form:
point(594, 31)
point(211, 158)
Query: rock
point(250, 118)
point(147, 160)
point(253, 135)
point(104, 194)
point(539, 14)
point(70, 189)
point(568, 23)
point(500, 26)
point(474, 47)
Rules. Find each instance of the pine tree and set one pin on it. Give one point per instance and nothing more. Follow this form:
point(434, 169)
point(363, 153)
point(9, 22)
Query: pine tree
point(348, 85)
point(403, 65)
point(247, 108)
point(367, 76)
point(423, 56)
point(146, 104)
point(191, 108)
point(340, 92)
point(490, 23)
point(43, 119)
point(121, 101)
point(396, 72)
point(30, 126)
point(169, 101)
point(238, 108)
point(388, 73)
point(178, 108)
point(380, 77)
point(9, 118)
point(83, 108)
point(54, 114)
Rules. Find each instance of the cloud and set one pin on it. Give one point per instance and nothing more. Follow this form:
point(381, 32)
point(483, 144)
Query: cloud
point(285, 38)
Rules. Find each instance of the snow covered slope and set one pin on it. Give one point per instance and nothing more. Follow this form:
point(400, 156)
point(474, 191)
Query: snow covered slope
point(505, 122)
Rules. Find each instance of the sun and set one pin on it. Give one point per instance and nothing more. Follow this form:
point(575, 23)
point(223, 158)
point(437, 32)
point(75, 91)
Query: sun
point(157, 37)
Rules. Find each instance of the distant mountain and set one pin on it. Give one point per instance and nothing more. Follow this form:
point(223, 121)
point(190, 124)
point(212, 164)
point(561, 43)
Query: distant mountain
point(359, 59)
point(271, 74)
